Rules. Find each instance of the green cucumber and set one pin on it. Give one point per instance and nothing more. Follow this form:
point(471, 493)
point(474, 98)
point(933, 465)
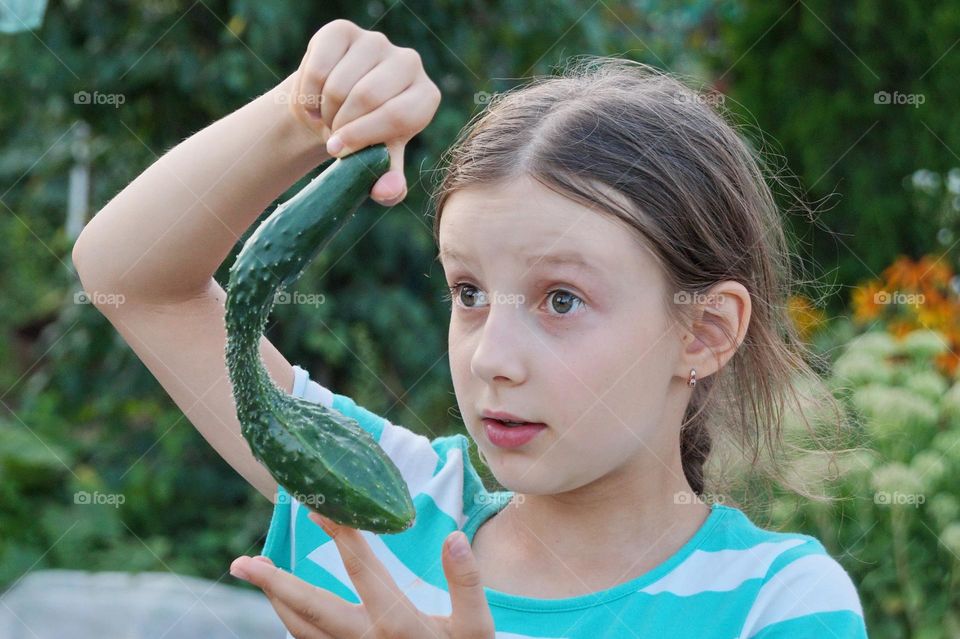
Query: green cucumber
point(320, 456)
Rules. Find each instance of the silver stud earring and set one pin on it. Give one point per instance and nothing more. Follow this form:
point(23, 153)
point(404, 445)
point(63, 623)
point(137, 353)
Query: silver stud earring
point(692, 380)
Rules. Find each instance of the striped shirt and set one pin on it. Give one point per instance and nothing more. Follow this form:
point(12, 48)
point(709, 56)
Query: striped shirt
point(731, 580)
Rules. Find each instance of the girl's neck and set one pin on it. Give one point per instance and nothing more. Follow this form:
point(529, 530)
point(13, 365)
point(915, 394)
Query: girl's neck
point(591, 539)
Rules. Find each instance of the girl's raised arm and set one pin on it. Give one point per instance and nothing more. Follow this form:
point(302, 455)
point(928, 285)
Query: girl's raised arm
point(147, 259)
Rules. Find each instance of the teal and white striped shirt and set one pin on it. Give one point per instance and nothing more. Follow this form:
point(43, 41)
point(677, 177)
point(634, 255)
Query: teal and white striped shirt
point(731, 580)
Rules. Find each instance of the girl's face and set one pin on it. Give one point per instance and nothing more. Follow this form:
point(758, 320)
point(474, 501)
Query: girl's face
point(585, 349)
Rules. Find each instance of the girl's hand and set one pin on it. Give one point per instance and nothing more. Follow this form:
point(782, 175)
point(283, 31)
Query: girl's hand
point(310, 612)
point(355, 86)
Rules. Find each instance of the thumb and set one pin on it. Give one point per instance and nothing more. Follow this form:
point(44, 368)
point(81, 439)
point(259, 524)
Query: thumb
point(470, 616)
point(391, 188)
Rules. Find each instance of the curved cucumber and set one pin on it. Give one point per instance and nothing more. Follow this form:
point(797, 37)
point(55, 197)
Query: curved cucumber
point(320, 456)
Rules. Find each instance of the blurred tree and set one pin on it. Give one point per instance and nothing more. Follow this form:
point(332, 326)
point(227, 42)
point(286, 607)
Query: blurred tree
point(857, 95)
point(82, 413)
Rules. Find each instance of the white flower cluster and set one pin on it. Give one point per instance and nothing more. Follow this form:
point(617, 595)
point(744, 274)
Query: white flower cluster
point(891, 411)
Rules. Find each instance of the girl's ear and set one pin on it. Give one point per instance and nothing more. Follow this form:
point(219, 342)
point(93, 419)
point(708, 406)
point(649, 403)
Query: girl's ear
point(721, 321)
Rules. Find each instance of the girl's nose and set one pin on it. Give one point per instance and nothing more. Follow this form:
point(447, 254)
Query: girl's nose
point(500, 351)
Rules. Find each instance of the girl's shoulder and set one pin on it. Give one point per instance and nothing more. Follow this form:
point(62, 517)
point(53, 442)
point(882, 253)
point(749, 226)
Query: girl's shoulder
point(792, 580)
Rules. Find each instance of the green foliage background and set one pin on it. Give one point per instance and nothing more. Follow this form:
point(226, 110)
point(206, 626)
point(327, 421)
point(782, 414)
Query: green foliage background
point(808, 72)
point(83, 414)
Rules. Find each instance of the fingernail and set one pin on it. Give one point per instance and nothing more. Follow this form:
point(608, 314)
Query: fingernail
point(459, 547)
point(390, 201)
point(238, 572)
point(334, 145)
point(265, 560)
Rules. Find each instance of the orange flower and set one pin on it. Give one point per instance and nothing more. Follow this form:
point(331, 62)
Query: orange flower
point(929, 277)
point(865, 306)
point(914, 294)
point(932, 316)
point(947, 363)
point(902, 275)
point(935, 270)
point(898, 328)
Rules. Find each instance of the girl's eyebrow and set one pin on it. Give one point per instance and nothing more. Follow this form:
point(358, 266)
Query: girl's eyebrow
point(562, 258)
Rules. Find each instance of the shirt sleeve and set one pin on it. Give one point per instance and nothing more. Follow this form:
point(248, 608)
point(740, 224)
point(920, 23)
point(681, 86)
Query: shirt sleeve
point(438, 473)
point(810, 597)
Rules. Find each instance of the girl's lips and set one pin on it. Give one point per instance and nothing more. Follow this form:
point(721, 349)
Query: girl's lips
point(505, 436)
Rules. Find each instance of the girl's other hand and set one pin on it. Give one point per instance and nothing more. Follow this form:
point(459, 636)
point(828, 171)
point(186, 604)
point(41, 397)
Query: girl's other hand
point(309, 611)
point(354, 88)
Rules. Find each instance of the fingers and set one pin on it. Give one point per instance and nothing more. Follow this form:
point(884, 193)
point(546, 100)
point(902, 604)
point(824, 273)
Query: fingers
point(327, 46)
point(470, 617)
point(405, 113)
point(355, 89)
point(390, 77)
point(397, 119)
point(381, 597)
point(364, 54)
point(320, 609)
point(298, 626)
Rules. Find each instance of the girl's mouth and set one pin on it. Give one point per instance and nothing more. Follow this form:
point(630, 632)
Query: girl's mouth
point(511, 434)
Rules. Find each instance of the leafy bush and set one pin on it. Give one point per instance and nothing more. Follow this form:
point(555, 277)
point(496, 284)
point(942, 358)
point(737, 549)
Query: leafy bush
point(895, 524)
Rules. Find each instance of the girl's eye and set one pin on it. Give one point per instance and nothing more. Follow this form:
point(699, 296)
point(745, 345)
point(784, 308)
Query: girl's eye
point(567, 298)
point(455, 292)
point(563, 300)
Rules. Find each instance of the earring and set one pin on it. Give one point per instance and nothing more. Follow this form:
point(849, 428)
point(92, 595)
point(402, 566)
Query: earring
point(692, 381)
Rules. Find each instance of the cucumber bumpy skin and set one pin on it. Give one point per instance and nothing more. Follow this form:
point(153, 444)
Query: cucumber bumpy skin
point(320, 456)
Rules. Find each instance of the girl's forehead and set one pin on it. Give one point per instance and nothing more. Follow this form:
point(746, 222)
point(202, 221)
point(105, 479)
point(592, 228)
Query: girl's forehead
point(535, 226)
point(520, 215)
point(494, 225)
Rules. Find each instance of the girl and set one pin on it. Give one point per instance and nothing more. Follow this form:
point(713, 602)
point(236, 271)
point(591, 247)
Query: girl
point(616, 270)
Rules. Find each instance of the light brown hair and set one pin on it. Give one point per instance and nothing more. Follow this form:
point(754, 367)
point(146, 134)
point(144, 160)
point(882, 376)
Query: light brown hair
point(636, 143)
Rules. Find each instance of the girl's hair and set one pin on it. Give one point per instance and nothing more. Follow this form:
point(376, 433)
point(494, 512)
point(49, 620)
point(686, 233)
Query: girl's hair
point(635, 143)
